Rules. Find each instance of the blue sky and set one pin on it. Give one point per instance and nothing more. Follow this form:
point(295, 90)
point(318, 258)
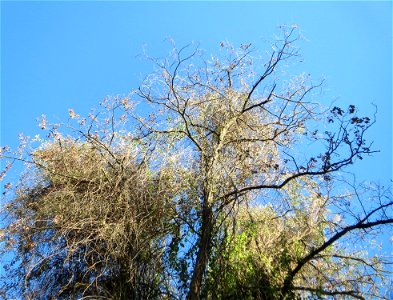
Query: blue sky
point(58, 55)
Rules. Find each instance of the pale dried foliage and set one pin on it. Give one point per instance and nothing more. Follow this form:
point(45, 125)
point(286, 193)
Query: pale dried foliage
point(94, 210)
point(214, 179)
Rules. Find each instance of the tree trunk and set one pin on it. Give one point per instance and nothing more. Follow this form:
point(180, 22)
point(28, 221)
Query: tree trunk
point(203, 254)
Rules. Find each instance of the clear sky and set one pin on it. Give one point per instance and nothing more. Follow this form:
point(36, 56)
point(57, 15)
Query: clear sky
point(59, 55)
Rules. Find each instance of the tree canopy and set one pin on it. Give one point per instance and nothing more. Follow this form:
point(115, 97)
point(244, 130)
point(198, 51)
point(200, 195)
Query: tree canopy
point(219, 178)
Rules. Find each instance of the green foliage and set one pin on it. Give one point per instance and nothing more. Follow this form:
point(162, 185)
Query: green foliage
point(254, 257)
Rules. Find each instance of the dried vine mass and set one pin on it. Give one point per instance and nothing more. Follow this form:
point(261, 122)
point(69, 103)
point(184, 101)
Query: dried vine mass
point(215, 179)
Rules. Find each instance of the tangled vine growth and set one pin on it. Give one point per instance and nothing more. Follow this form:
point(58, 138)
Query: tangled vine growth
point(215, 179)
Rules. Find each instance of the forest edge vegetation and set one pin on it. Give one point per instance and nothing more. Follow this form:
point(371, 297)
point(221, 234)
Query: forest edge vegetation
point(219, 178)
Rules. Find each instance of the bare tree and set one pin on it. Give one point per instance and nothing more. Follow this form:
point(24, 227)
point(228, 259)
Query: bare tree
point(226, 183)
